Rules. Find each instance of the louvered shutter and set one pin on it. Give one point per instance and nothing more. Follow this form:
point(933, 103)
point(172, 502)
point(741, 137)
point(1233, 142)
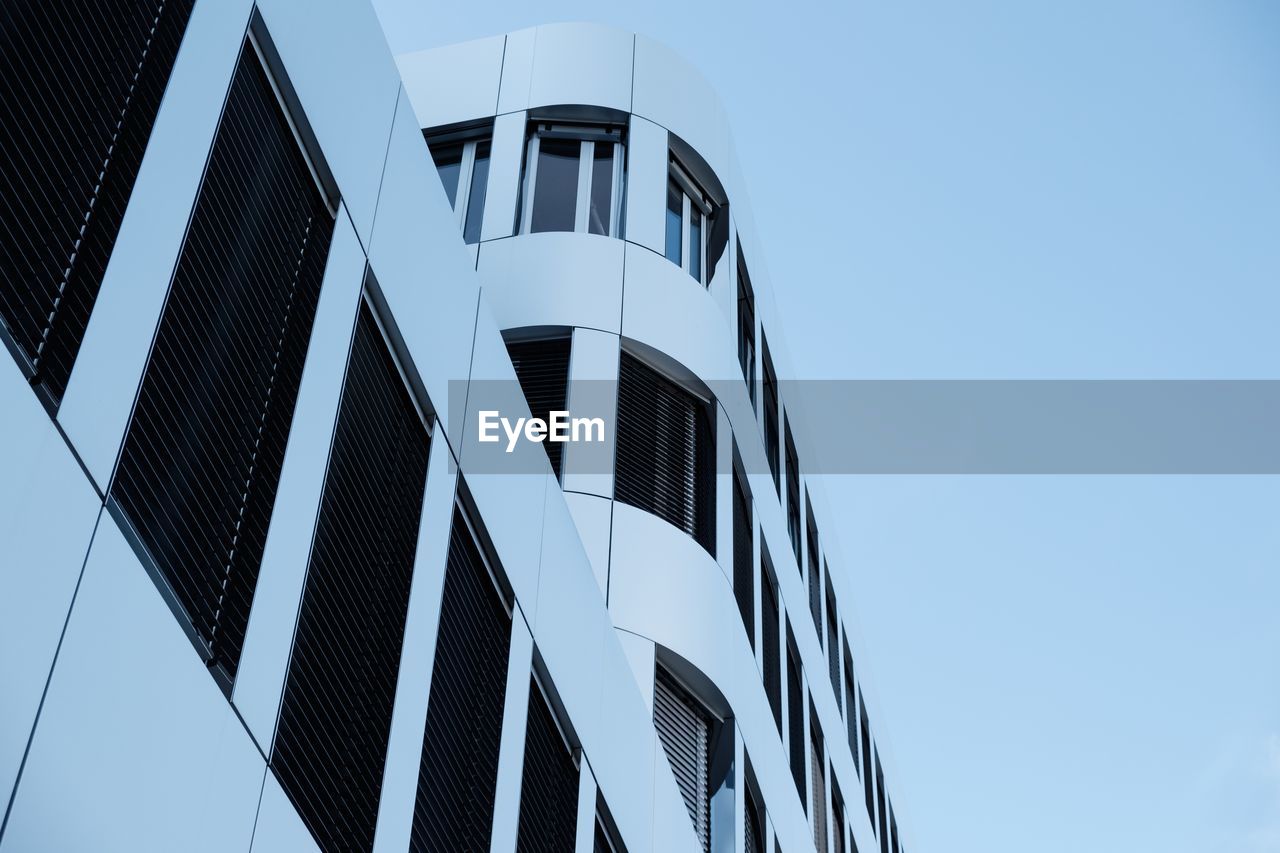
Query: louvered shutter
point(459, 765)
point(549, 784)
point(795, 720)
point(331, 740)
point(684, 728)
point(743, 571)
point(81, 91)
point(754, 831)
point(543, 370)
point(201, 461)
point(665, 457)
point(818, 775)
point(769, 629)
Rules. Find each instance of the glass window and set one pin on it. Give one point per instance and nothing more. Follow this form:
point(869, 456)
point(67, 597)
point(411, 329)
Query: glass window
point(695, 244)
point(601, 189)
point(556, 194)
point(448, 159)
point(675, 222)
point(476, 195)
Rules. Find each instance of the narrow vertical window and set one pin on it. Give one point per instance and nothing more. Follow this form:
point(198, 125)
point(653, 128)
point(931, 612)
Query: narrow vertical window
point(81, 92)
point(601, 190)
point(752, 812)
point(331, 740)
point(573, 177)
point(746, 328)
point(675, 223)
point(696, 247)
point(555, 194)
point(542, 368)
point(837, 817)
point(549, 783)
point(462, 161)
point(817, 772)
point(476, 194)
point(851, 705)
point(690, 213)
point(882, 825)
point(793, 495)
point(833, 642)
point(197, 476)
point(684, 728)
point(795, 715)
point(459, 766)
point(814, 572)
point(772, 651)
point(867, 781)
point(771, 416)
point(666, 452)
point(743, 560)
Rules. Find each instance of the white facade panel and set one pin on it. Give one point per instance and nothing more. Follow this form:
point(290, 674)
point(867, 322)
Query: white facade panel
point(554, 278)
point(506, 157)
point(592, 515)
point(279, 827)
point(593, 374)
point(670, 92)
point(517, 70)
point(473, 70)
point(648, 149)
point(581, 64)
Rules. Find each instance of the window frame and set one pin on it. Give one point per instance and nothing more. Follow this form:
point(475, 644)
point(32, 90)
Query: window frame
point(589, 136)
point(694, 197)
point(470, 140)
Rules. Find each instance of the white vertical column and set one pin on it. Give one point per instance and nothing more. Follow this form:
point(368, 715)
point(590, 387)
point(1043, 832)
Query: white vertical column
point(506, 796)
point(505, 158)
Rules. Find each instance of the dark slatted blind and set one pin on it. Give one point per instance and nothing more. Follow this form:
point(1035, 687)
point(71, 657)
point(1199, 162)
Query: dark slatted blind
point(459, 768)
point(833, 643)
point(795, 716)
point(81, 91)
point(665, 456)
point(543, 370)
point(743, 560)
point(331, 741)
point(866, 760)
point(817, 771)
point(549, 786)
point(684, 728)
point(772, 651)
point(753, 816)
point(197, 477)
point(815, 579)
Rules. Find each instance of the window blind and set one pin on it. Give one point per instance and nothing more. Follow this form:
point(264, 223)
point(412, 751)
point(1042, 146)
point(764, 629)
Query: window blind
point(201, 460)
point(665, 456)
point(459, 765)
point(684, 728)
point(335, 720)
point(542, 367)
point(80, 95)
point(549, 784)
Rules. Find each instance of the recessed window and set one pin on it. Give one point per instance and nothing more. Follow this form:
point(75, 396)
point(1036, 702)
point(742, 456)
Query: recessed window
point(815, 573)
point(743, 559)
point(867, 785)
point(818, 775)
point(882, 826)
point(833, 641)
point(573, 179)
point(769, 632)
point(753, 812)
point(462, 160)
point(542, 368)
point(850, 705)
point(549, 787)
point(793, 494)
point(689, 211)
point(746, 328)
point(771, 416)
point(795, 715)
point(837, 817)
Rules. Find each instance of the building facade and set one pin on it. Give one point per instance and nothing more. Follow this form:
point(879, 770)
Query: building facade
point(262, 587)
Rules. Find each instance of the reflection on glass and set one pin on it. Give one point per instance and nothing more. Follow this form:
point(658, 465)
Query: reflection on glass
point(555, 195)
point(601, 189)
point(475, 196)
point(675, 204)
point(448, 159)
point(695, 244)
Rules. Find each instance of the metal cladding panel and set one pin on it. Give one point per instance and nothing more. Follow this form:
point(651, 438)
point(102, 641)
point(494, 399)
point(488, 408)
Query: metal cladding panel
point(459, 768)
point(549, 784)
point(542, 367)
point(202, 456)
point(665, 452)
point(80, 95)
point(335, 720)
point(684, 729)
point(473, 69)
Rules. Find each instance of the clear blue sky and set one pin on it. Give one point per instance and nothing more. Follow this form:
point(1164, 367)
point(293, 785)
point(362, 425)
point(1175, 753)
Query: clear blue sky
point(1010, 189)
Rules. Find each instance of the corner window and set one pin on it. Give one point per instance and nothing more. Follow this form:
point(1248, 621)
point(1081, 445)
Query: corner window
point(689, 211)
point(463, 164)
point(573, 179)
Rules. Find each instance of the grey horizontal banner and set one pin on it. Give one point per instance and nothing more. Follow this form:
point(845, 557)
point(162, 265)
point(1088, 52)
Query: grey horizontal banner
point(938, 426)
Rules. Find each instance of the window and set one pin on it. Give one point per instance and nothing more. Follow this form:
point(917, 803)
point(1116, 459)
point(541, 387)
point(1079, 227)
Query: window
point(746, 328)
point(81, 92)
point(833, 642)
point(542, 367)
point(753, 812)
point(883, 826)
point(665, 452)
point(770, 414)
point(459, 766)
point(769, 632)
point(793, 495)
point(462, 159)
point(197, 476)
point(684, 728)
point(549, 786)
point(690, 213)
point(795, 715)
point(346, 652)
point(606, 831)
point(573, 179)
point(893, 830)
point(837, 817)
point(815, 571)
point(866, 760)
point(744, 574)
point(817, 772)
point(851, 705)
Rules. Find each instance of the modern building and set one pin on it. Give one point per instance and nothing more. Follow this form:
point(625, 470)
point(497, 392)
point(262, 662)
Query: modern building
point(261, 586)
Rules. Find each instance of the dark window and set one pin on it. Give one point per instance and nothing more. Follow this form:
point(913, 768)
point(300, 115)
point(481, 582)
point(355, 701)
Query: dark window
point(684, 727)
point(793, 495)
point(817, 771)
point(833, 642)
point(665, 452)
point(837, 816)
point(549, 786)
point(753, 814)
point(331, 740)
point(606, 838)
point(201, 460)
point(795, 715)
point(555, 195)
point(462, 160)
point(557, 157)
point(771, 416)
point(772, 652)
point(815, 574)
point(459, 768)
point(893, 830)
point(696, 246)
point(675, 222)
point(542, 367)
point(851, 705)
point(692, 216)
point(746, 328)
point(866, 760)
point(744, 574)
point(601, 190)
point(883, 827)
point(448, 160)
point(80, 94)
